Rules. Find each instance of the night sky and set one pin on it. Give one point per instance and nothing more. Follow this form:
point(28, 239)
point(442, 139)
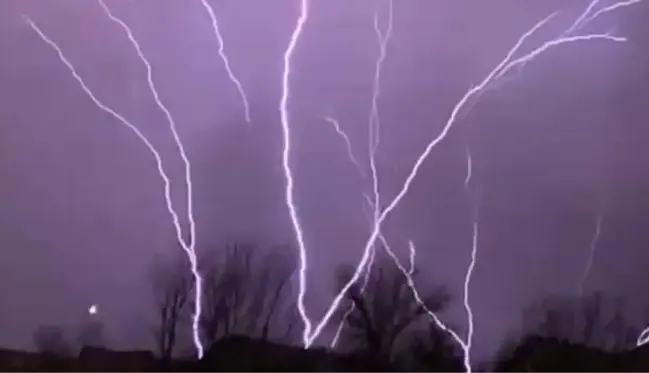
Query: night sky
point(82, 214)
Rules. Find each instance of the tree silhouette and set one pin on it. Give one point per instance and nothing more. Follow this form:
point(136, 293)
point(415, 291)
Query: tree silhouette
point(593, 320)
point(247, 292)
point(546, 354)
point(171, 284)
point(50, 339)
point(91, 334)
point(384, 310)
point(434, 350)
point(571, 334)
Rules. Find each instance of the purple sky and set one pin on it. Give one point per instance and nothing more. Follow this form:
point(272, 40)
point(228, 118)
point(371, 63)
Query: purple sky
point(82, 210)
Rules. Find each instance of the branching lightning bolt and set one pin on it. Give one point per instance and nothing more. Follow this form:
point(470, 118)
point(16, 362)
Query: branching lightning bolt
point(371, 215)
point(408, 273)
point(224, 58)
point(373, 143)
point(368, 271)
point(588, 15)
point(311, 332)
point(591, 253)
point(374, 119)
point(348, 144)
point(158, 159)
point(188, 247)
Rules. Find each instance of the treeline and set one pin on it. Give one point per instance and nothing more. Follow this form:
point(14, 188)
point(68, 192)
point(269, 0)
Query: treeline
point(250, 322)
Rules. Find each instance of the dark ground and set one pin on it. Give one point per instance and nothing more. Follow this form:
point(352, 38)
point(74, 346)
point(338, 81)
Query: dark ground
point(245, 354)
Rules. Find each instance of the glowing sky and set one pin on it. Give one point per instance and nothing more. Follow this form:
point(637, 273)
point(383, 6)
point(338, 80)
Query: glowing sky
point(82, 212)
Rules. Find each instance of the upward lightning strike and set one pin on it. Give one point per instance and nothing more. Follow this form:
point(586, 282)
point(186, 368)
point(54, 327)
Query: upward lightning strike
point(348, 144)
point(643, 338)
point(467, 344)
point(469, 169)
point(591, 254)
point(366, 278)
point(224, 59)
point(188, 247)
point(156, 155)
point(374, 119)
point(373, 144)
point(311, 332)
point(371, 215)
point(408, 273)
point(288, 172)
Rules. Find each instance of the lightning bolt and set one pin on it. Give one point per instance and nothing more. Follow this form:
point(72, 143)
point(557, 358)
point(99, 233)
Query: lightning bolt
point(188, 247)
point(588, 15)
point(591, 253)
point(373, 144)
point(374, 119)
point(224, 59)
point(348, 144)
point(156, 154)
point(366, 278)
point(311, 332)
point(371, 215)
point(313, 329)
point(288, 172)
point(408, 273)
point(643, 338)
point(468, 343)
point(469, 169)
point(413, 253)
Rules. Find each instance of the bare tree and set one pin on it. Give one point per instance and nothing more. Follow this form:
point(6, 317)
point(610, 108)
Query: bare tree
point(91, 334)
point(434, 350)
point(386, 308)
point(51, 340)
point(247, 292)
point(171, 284)
point(272, 300)
point(592, 320)
point(224, 286)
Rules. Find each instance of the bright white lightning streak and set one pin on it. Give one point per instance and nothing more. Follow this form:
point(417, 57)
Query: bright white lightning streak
point(565, 37)
point(371, 216)
point(366, 279)
point(467, 345)
point(467, 305)
point(408, 273)
point(373, 143)
point(224, 58)
point(374, 119)
point(188, 247)
point(288, 173)
point(643, 338)
point(394, 258)
point(587, 17)
point(348, 144)
point(158, 159)
point(312, 333)
point(591, 253)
